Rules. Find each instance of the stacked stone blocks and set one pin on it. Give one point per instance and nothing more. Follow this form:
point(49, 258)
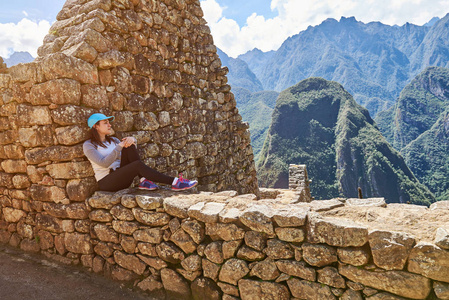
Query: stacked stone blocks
point(298, 180)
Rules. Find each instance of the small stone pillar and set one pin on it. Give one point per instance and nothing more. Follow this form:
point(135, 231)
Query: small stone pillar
point(297, 180)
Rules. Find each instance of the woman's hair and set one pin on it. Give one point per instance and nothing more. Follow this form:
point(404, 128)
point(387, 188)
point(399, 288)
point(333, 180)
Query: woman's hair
point(95, 137)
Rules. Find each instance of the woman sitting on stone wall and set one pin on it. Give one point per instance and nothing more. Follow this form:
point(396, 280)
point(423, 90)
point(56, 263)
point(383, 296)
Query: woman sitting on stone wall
point(116, 162)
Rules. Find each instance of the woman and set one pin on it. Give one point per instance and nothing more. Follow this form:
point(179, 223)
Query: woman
point(116, 162)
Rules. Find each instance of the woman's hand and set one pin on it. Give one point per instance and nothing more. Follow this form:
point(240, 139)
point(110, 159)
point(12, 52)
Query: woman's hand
point(127, 141)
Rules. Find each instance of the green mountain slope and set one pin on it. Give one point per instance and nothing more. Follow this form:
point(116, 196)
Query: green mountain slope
point(417, 108)
point(256, 109)
point(317, 123)
point(428, 157)
point(372, 61)
point(417, 127)
point(239, 74)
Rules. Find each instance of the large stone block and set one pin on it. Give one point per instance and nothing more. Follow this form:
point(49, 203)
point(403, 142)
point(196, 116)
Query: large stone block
point(104, 200)
point(175, 286)
point(125, 227)
point(53, 153)
point(441, 290)
point(170, 252)
point(6, 180)
point(396, 282)
point(319, 255)
point(336, 232)
point(83, 51)
point(183, 241)
point(25, 72)
point(78, 243)
point(13, 215)
point(390, 249)
point(129, 262)
point(233, 270)
point(277, 249)
point(354, 256)
point(106, 233)
point(442, 238)
point(205, 289)
point(71, 135)
point(78, 211)
point(430, 261)
point(258, 218)
point(195, 229)
point(59, 65)
point(49, 223)
point(71, 115)
point(226, 232)
point(206, 212)
point(297, 269)
point(81, 189)
point(255, 290)
point(110, 59)
point(33, 115)
point(36, 136)
point(308, 290)
point(149, 202)
point(58, 91)
point(149, 235)
point(292, 216)
point(14, 166)
point(265, 270)
point(94, 96)
point(329, 276)
point(70, 170)
point(151, 218)
point(178, 206)
point(47, 193)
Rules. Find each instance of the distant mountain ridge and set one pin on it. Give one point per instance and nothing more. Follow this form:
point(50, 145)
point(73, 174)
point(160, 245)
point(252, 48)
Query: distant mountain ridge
point(418, 127)
point(317, 123)
point(17, 58)
point(372, 61)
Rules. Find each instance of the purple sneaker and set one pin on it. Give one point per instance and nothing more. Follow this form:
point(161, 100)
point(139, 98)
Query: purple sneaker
point(183, 184)
point(148, 185)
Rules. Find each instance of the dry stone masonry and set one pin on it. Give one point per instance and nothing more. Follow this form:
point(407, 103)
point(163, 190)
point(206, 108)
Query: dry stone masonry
point(229, 246)
point(152, 65)
point(298, 180)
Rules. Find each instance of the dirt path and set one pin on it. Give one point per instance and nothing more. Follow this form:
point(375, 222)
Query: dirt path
point(31, 276)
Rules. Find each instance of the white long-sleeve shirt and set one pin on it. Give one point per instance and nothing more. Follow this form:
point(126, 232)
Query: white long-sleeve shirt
point(103, 159)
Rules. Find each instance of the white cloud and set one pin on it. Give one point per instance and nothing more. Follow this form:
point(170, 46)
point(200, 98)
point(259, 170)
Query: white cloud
point(295, 16)
point(26, 35)
point(25, 13)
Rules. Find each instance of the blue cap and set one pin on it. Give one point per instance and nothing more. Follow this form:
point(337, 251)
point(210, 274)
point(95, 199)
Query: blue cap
point(97, 117)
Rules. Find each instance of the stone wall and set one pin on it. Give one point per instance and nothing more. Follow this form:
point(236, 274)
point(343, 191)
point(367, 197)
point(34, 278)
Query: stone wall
point(229, 246)
point(298, 181)
point(152, 65)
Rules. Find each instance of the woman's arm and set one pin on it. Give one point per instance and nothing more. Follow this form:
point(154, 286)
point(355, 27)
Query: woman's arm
point(104, 161)
point(128, 141)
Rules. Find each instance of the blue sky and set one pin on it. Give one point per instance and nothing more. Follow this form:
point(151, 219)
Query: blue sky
point(236, 25)
point(37, 10)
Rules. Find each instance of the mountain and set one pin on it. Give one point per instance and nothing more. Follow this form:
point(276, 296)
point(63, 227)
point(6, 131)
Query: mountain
point(318, 123)
point(256, 108)
point(373, 61)
point(239, 73)
point(432, 22)
point(255, 105)
point(417, 127)
point(434, 49)
point(17, 58)
point(256, 59)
